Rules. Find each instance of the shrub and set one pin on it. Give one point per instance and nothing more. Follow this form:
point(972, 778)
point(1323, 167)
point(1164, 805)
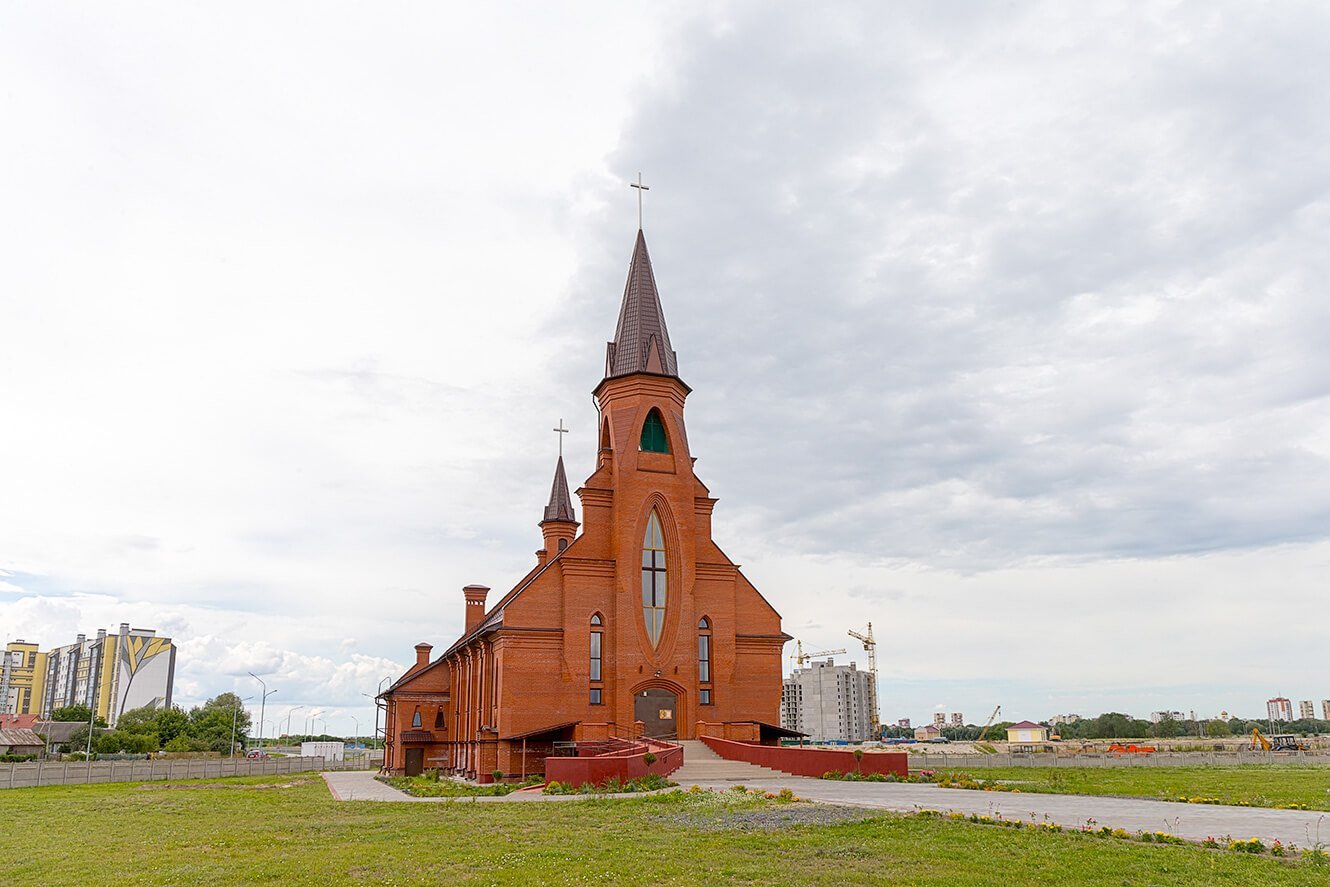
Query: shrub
point(786, 796)
point(1251, 845)
point(649, 758)
point(554, 788)
point(497, 774)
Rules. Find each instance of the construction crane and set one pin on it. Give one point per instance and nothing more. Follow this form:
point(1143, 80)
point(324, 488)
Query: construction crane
point(870, 646)
point(801, 657)
point(991, 719)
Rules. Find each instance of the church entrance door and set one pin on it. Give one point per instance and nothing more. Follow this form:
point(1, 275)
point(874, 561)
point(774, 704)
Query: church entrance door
point(659, 710)
point(415, 761)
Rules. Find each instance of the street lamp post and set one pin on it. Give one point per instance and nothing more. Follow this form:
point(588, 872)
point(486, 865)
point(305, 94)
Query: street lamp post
point(355, 720)
point(288, 718)
point(235, 715)
point(262, 703)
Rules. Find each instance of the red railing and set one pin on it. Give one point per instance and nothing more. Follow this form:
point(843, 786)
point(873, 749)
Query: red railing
point(799, 761)
point(627, 761)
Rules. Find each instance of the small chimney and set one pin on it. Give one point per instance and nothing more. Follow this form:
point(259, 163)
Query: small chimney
point(475, 605)
point(422, 654)
point(124, 628)
point(81, 638)
point(101, 633)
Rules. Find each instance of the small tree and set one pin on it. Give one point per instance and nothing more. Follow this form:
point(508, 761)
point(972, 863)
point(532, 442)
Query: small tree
point(1216, 729)
point(76, 713)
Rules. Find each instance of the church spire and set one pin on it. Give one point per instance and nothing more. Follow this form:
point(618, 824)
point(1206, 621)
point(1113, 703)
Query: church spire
point(561, 504)
point(641, 341)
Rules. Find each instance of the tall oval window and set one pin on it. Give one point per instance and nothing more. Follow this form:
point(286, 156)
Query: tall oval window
point(653, 434)
point(653, 579)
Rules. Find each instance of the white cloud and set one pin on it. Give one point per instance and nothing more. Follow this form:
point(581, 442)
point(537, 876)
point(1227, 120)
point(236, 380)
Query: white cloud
point(1004, 325)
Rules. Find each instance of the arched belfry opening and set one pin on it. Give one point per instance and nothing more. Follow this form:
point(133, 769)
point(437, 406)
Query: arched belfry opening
point(654, 439)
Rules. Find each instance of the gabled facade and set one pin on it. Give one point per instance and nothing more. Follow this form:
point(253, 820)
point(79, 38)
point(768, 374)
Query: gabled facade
point(638, 623)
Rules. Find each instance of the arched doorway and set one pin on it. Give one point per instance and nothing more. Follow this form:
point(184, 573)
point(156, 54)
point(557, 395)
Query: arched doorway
point(658, 709)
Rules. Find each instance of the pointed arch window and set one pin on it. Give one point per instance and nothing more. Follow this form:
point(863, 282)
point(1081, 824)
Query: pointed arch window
point(415, 718)
point(653, 579)
point(704, 660)
point(653, 434)
point(596, 648)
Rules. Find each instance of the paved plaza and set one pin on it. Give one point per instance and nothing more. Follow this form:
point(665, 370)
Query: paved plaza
point(703, 767)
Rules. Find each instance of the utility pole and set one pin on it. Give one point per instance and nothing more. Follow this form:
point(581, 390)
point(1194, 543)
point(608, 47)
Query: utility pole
point(235, 715)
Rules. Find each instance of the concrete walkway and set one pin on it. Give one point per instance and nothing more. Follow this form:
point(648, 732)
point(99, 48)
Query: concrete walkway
point(1194, 822)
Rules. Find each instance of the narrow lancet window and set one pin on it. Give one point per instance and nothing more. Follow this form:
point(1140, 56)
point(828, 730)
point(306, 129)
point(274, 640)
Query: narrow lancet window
point(595, 648)
point(653, 434)
point(653, 579)
point(704, 660)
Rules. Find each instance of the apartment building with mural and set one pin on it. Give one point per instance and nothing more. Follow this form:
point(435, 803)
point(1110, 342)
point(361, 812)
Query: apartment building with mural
point(113, 673)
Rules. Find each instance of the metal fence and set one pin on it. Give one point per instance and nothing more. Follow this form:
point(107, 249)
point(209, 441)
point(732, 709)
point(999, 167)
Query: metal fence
point(950, 761)
point(34, 773)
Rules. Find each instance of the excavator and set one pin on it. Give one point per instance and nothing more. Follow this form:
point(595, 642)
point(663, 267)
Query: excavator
point(1276, 742)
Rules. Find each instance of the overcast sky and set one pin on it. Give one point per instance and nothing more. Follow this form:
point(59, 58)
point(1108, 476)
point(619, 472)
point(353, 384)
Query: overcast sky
point(1003, 324)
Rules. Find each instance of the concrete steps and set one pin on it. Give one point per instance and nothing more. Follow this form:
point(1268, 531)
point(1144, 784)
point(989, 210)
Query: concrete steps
point(702, 765)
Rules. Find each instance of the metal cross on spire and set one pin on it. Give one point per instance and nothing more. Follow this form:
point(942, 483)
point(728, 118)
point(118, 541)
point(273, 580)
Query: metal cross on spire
point(562, 431)
point(640, 188)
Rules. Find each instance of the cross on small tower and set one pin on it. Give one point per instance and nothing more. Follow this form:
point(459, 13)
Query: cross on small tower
point(562, 431)
point(640, 188)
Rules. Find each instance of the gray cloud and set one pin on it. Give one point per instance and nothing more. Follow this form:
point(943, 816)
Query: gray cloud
point(968, 295)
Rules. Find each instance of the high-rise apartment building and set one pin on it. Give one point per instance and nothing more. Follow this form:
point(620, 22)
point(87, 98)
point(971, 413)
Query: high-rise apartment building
point(957, 719)
point(112, 673)
point(828, 701)
point(939, 719)
point(22, 676)
point(1325, 709)
point(1306, 711)
point(1279, 709)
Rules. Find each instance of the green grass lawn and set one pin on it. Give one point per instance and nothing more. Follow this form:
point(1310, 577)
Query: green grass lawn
point(1255, 784)
point(288, 830)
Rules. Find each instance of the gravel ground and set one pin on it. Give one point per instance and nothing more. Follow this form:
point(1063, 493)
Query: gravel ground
point(784, 816)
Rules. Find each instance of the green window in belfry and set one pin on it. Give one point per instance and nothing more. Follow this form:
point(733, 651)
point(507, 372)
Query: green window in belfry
point(653, 434)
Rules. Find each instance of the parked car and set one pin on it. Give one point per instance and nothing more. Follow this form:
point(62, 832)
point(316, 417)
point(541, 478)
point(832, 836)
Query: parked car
point(258, 755)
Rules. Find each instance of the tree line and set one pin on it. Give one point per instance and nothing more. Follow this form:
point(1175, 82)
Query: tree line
point(1116, 725)
point(218, 725)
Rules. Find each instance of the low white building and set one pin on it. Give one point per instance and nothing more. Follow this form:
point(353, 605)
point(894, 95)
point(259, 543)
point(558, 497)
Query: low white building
point(329, 751)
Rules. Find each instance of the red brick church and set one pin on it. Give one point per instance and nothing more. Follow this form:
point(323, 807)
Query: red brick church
point(637, 624)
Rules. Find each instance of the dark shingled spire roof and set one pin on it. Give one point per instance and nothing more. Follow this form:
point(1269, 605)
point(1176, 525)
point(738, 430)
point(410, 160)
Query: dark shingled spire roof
point(641, 342)
point(561, 504)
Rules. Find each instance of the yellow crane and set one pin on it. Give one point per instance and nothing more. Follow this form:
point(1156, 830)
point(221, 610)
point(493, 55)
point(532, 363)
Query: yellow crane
point(801, 657)
point(870, 646)
point(991, 719)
